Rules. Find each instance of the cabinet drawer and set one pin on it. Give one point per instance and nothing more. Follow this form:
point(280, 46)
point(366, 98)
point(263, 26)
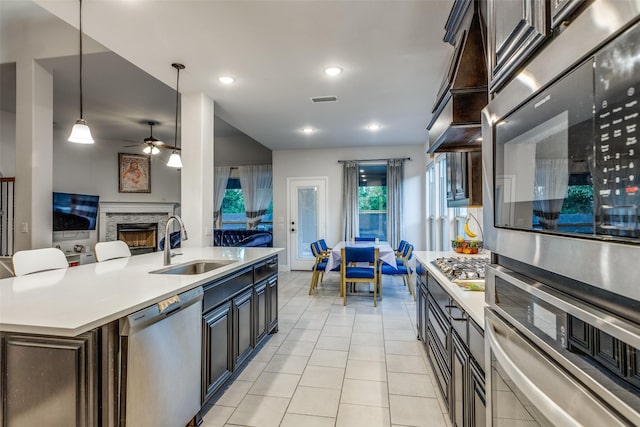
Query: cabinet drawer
point(439, 295)
point(459, 320)
point(221, 290)
point(476, 343)
point(265, 269)
point(440, 368)
point(438, 327)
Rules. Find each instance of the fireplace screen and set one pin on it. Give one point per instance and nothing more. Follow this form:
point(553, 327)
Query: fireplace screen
point(141, 238)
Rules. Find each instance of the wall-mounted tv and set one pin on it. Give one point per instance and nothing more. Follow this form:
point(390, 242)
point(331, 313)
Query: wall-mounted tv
point(74, 212)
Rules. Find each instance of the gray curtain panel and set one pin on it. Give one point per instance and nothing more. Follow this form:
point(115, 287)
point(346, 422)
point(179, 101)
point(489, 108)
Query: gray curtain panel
point(220, 179)
point(395, 225)
point(256, 182)
point(350, 212)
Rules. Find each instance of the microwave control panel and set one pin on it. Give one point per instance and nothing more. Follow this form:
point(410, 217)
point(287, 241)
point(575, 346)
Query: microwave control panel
point(617, 130)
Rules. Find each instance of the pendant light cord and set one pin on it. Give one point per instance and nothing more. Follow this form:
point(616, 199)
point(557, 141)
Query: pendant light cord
point(81, 117)
point(175, 143)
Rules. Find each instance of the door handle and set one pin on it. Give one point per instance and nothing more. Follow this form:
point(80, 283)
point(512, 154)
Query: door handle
point(293, 230)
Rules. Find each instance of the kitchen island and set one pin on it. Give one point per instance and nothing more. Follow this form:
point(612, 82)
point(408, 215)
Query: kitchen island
point(450, 323)
point(61, 348)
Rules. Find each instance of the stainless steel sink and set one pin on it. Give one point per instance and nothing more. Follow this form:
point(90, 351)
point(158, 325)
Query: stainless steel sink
point(194, 267)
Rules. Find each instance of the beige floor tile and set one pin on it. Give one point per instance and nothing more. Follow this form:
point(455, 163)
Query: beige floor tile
point(265, 353)
point(275, 384)
point(322, 376)
point(321, 402)
point(252, 371)
point(234, 394)
point(362, 416)
point(366, 352)
point(333, 343)
point(296, 348)
point(361, 338)
point(330, 358)
point(407, 348)
point(396, 323)
point(336, 331)
point(287, 364)
point(416, 411)
point(335, 319)
point(411, 385)
point(366, 370)
point(368, 393)
point(304, 334)
point(299, 420)
point(368, 328)
point(406, 364)
point(217, 416)
point(259, 411)
point(401, 334)
point(278, 338)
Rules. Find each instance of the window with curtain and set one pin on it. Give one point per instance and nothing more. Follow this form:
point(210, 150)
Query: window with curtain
point(234, 215)
point(372, 200)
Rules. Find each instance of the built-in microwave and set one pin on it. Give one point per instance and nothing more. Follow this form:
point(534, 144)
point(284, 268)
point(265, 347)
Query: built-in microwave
point(567, 161)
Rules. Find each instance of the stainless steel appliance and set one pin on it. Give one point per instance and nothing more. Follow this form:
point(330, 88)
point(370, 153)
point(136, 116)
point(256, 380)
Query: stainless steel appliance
point(563, 324)
point(462, 267)
point(565, 128)
point(160, 362)
point(556, 360)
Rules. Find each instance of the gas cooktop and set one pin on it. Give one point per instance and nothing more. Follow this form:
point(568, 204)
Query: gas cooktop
point(462, 268)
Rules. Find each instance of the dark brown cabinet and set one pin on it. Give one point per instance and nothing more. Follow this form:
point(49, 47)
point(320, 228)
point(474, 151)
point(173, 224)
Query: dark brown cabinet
point(239, 311)
point(60, 371)
point(455, 346)
point(464, 179)
point(217, 366)
point(516, 29)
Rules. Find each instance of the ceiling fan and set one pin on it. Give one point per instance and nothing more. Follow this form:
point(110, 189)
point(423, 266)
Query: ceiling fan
point(153, 145)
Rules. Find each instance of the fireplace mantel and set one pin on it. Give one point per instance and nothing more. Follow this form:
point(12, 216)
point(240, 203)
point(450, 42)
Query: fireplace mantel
point(133, 208)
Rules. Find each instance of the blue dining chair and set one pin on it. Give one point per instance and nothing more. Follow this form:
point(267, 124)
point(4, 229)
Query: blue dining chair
point(402, 268)
point(400, 248)
point(319, 266)
point(352, 270)
point(364, 239)
point(324, 246)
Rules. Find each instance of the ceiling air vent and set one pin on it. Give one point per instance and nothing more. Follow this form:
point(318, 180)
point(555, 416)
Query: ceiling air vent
point(324, 99)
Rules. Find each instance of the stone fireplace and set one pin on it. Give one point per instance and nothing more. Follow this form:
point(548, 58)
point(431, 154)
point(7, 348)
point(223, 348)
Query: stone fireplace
point(140, 225)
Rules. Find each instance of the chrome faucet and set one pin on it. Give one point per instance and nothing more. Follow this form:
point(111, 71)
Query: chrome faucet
point(167, 242)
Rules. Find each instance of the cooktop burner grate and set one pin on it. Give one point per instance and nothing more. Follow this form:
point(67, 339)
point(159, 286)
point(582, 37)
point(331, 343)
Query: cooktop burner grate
point(463, 268)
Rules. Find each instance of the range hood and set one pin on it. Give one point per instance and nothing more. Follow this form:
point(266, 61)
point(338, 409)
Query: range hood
point(456, 120)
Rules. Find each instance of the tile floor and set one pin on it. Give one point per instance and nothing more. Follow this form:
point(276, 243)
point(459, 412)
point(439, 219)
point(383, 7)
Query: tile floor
point(331, 365)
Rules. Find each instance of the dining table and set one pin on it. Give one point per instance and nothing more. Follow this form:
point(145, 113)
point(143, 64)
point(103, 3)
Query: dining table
point(387, 254)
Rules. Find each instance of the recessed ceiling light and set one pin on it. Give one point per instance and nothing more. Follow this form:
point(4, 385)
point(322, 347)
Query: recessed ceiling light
point(373, 127)
point(227, 80)
point(307, 130)
point(332, 71)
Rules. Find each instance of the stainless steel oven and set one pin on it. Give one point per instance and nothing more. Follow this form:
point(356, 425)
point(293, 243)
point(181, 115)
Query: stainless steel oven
point(556, 360)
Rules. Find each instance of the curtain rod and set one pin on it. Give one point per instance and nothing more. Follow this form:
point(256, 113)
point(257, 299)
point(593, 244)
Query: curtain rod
point(372, 160)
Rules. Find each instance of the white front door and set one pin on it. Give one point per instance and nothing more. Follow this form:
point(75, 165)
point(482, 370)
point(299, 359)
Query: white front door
point(307, 220)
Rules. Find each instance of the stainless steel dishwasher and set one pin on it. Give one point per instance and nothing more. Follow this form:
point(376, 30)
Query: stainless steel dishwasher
point(160, 362)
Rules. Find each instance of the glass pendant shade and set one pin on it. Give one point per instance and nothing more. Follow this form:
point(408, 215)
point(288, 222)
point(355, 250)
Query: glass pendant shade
point(80, 133)
point(174, 160)
point(155, 150)
point(146, 150)
point(150, 150)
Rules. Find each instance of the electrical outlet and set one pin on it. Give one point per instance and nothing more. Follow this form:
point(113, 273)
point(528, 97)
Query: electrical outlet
point(24, 227)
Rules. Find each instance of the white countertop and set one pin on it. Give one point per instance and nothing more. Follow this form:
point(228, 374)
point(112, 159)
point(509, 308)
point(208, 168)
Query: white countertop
point(471, 301)
point(75, 300)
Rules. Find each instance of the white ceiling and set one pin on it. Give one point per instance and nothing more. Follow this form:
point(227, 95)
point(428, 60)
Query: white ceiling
point(392, 54)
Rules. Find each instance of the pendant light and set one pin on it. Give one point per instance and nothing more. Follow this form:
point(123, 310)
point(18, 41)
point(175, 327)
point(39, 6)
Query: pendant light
point(80, 133)
point(174, 160)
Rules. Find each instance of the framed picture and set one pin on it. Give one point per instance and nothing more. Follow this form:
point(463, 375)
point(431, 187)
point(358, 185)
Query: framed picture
point(134, 173)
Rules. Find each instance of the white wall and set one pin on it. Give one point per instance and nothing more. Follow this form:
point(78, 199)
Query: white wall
point(241, 150)
point(317, 163)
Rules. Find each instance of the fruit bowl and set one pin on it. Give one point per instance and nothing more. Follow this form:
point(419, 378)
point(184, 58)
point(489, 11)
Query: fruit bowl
point(467, 246)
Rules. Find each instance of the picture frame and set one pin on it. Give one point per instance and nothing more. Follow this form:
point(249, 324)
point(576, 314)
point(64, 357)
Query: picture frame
point(134, 173)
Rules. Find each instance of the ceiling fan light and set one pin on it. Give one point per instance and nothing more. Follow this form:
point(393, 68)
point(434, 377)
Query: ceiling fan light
point(146, 150)
point(80, 133)
point(155, 150)
point(174, 161)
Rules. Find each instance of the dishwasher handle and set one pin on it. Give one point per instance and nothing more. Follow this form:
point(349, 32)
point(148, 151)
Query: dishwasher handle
point(152, 314)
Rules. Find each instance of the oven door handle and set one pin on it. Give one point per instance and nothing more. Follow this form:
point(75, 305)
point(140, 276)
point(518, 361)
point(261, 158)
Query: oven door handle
point(561, 393)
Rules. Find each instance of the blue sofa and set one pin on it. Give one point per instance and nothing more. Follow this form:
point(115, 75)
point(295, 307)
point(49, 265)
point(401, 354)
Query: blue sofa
point(253, 238)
